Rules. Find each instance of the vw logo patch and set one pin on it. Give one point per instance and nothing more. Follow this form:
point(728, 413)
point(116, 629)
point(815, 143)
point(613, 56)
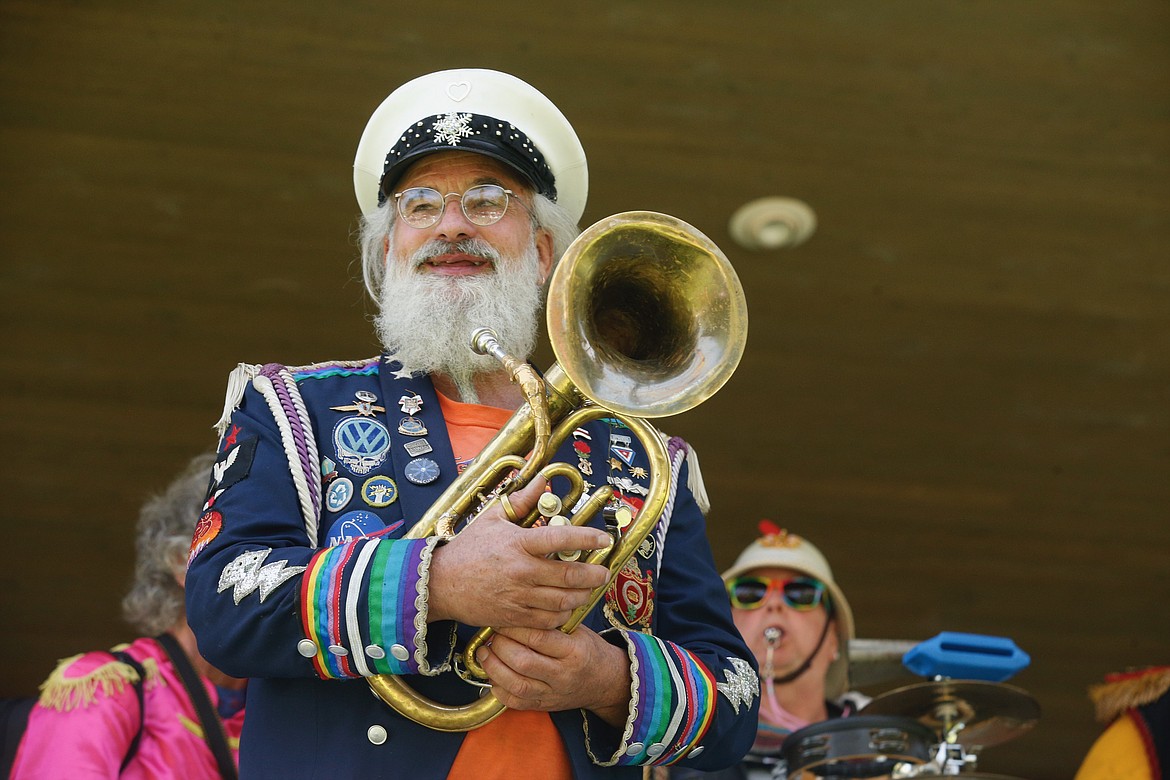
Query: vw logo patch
point(361, 444)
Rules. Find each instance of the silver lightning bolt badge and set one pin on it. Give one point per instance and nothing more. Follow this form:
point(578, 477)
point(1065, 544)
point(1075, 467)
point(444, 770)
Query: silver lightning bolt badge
point(742, 686)
point(247, 574)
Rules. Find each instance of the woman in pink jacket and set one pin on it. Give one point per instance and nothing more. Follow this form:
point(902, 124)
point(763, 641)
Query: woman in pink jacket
point(153, 708)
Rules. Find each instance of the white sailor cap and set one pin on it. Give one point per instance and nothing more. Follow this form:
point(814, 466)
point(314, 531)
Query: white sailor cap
point(471, 110)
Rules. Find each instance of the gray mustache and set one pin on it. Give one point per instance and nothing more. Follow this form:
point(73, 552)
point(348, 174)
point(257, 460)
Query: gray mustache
point(475, 247)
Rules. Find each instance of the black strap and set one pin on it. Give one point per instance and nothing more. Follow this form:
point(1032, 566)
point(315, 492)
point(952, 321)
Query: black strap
point(127, 659)
point(213, 731)
point(808, 661)
point(14, 712)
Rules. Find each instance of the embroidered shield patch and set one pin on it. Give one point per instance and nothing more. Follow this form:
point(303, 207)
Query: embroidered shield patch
point(631, 596)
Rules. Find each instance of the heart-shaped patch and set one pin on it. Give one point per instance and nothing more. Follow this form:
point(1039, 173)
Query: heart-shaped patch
point(458, 90)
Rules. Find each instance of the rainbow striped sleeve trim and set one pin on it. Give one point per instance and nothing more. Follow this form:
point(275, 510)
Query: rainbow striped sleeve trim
point(363, 606)
point(673, 702)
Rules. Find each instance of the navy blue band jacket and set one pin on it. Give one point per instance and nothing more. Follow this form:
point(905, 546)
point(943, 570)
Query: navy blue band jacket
point(299, 578)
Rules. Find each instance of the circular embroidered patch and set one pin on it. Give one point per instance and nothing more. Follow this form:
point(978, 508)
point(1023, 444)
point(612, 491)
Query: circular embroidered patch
point(340, 492)
point(379, 491)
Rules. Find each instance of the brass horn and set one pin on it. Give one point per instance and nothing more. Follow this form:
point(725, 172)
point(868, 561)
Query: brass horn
point(647, 319)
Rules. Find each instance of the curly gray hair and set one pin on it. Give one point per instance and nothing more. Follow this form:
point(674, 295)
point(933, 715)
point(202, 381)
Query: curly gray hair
point(165, 524)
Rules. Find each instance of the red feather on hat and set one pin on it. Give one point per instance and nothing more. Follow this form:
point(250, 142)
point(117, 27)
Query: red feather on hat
point(768, 528)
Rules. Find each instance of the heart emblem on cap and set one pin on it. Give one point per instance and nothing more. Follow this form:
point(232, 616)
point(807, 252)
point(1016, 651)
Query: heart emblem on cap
point(459, 90)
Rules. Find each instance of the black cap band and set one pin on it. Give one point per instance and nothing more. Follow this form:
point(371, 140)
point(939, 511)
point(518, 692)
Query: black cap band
point(465, 132)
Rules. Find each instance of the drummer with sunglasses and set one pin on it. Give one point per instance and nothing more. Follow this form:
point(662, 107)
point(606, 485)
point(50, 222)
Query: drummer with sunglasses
point(798, 624)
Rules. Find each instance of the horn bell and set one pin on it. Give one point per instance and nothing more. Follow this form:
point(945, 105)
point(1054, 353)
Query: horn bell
point(646, 315)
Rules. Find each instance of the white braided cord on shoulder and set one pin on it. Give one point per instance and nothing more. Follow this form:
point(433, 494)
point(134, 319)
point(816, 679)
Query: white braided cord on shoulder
point(668, 510)
point(304, 497)
point(311, 447)
point(327, 365)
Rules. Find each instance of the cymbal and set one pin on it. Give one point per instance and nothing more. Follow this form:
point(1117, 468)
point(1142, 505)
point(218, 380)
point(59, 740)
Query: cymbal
point(979, 714)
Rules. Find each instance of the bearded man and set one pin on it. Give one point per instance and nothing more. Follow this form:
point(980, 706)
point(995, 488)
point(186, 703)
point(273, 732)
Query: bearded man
point(471, 183)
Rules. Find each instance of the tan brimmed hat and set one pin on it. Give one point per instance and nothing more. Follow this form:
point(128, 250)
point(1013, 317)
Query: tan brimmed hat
point(777, 548)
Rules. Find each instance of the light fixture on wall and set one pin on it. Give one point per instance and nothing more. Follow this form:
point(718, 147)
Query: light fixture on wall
point(772, 223)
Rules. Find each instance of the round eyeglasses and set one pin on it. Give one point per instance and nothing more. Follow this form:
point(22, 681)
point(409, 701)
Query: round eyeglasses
point(483, 204)
point(799, 593)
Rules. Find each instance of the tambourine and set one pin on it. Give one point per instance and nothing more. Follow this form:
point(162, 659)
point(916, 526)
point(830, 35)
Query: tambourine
point(861, 746)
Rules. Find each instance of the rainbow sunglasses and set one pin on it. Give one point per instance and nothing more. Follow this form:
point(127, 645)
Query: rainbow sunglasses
point(799, 593)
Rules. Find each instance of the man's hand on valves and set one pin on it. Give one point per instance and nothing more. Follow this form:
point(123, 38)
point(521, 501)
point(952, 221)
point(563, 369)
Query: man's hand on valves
point(494, 573)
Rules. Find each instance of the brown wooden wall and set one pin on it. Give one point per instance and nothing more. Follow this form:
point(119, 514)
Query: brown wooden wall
point(959, 387)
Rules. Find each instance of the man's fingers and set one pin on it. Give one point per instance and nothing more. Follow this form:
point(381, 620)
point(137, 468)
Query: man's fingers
point(584, 575)
point(509, 687)
point(553, 644)
point(536, 618)
point(554, 538)
point(520, 673)
point(525, 499)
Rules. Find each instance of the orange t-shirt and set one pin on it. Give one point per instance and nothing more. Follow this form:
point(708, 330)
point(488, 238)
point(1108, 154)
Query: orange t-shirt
point(516, 744)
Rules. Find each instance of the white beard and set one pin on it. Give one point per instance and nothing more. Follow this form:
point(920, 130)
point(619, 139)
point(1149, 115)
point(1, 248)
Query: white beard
point(426, 320)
